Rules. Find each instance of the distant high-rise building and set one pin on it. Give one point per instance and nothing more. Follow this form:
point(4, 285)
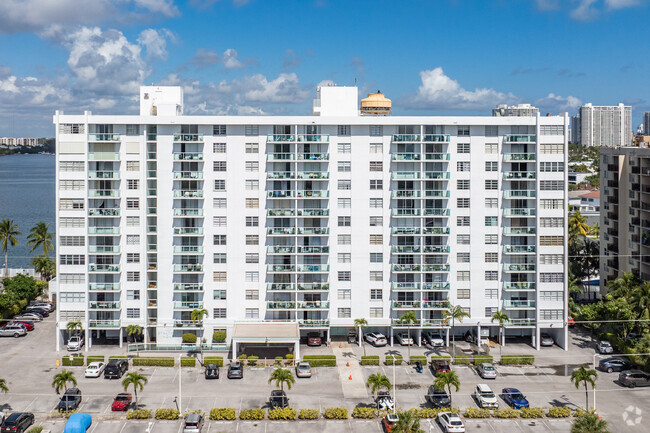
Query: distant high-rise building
point(520, 110)
point(646, 123)
point(609, 126)
point(575, 129)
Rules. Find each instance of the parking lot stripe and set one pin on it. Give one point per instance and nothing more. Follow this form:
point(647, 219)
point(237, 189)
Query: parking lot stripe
point(123, 426)
point(94, 427)
point(27, 408)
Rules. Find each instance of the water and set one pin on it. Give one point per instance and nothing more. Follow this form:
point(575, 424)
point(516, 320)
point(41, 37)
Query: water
point(27, 197)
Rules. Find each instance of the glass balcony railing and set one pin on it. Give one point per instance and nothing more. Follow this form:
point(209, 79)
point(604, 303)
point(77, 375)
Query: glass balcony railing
point(437, 138)
point(433, 322)
point(188, 175)
point(406, 249)
point(281, 249)
point(104, 323)
point(280, 305)
point(509, 267)
point(400, 323)
point(436, 212)
point(281, 268)
point(188, 249)
point(314, 138)
point(313, 323)
point(103, 156)
point(398, 175)
point(96, 212)
point(313, 249)
point(280, 175)
point(188, 305)
point(188, 193)
point(313, 212)
point(313, 268)
point(314, 156)
point(103, 305)
point(103, 175)
point(405, 193)
point(281, 194)
point(507, 303)
point(519, 285)
point(280, 157)
point(188, 212)
point(280, 138)
point(405, 230)
point(405, 286)
point(104, 249)
point(188, 230)
point(437, 156)
point(406, 157)
point(436, 286)
point(405, 212)
point(519, 249)
point(436, 175)
point(435, 249)
point(313, 175)
point(316, 193)
point(313, 305)
point(280, 212)
point(104, 287)
point(401, 138)
point(520, 212)
point(406, 268)
point(519, 138)
point(188, 324)
point(317, 287)
point(280, 287)
point(520, 323)
point(188, 137)
point(104, 137)
point(151, 173)
point(435, 268)
point(188, 156)
point(152, 137)
point(103, 268)
point(519, 157)
point(103, 230)
point(313, 230)
point(519, 175)
point(193, 267)
point(436, 193)
point(281, 231)
point(435, 230)
point(103, 193)
point(524, 231)
point(188, 287)
point(520, 193)
point(436, 305)
point(406, 304)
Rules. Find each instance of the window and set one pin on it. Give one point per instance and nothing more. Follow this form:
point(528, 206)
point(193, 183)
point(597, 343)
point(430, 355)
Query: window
point(72, 316)
point(252, 313)
point(132, 184)
point(551, 259)
point(491, 185)
point(491, 148)
point(462, 275)
point(491, 130)
point(376, 184)
point(551, 167)
point(219, 203)
point(252, 148)
point(132, 313)
point(133, 276)
point(551, 185)
point(463, 293)
point(462, 257)
point(491, 221)
point(546, 295)
point(72, 278)
point(376, 239)
point(251, 130)
point(462, 221)
point(133, 239)
point(219, 277)
point(551, 241)
point(344, 275)
point(71, 222)
point(551, 203)
point(72, 259)
point(376, 166)
point(252, 277)
point(72, 297)
point(462, 239)
point(252, 295)
point(219, 147)
point(252, 184)
point(72, 241)
point(344, 130)
point(344, 294)
point(252, 258)
point(132, 165)
point(376, 130)
point(344, 257)
point(218, 129)
point(551, 277)
point(219, 221)
point(376, 203)
point(462, 165)
point(376, 312)
point(462, 147)
point(551, 130)
point(132, 129)
point(462, 202)
point(71, 203)
point(133, 203)
point(252, 239)
point(376, 294)
point(491, 275)
point(376, 221)
point(219, 258)
point(489, 311)
point(252, 203)
point(344, 221)
point(491, 166)
point(133, 257)
point(219, 295)
point(551, 148)
point(491, 202)
point(463, 131)
point(72, 128)
point(491, 257)
point(491, 293)
point(491, 239)
point(252, 221)
point(219, 185)
point(376, 276)
point(376, 257)
point(219, 313)
point(71, 185)
point(219, 165)
point(551, 314)
point(345, 203)
point(132, 295)
point(344, 166)
point(462, 184)
point(344, 313)
point(133, 221)
point(376, 148)
point(219, 240)
point(71, 166)
point(344, 239)
point(345, 184)
point(345, 147)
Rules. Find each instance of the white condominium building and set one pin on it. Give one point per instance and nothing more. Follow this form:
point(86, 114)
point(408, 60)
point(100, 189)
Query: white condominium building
point(312, 221)
point(608, 126)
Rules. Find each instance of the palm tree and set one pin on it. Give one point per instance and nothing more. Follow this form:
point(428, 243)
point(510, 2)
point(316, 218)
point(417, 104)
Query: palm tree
point(407, 423)
point(640, 300)
point(39, 236)
point(74, 327)
point(62, 379)
point(502, 318)
point(133, 331)
point(623, 286)
point(454, 313)
point(137, 380)
point(360, 324)
point(578, 227)
point(44, 266)
point(197, 316)
point(3, 386)
point(8, 233)
point(595, 231)
point(282, 376)
point(582, 376)
point(410, 319)
point(447, 379)
point(377, 381)
point(590, 423)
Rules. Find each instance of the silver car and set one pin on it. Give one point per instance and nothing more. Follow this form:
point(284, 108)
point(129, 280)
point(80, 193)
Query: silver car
point(486, 371)
point(193, 423)
point(14, 330)
point(303, 369)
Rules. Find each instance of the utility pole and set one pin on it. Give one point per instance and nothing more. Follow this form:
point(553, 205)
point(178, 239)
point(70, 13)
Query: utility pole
point(180, 387)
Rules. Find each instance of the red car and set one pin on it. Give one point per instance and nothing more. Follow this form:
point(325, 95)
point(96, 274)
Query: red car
point(28, 325)
point(570, 322)
point(440, 365)
point(121, 402)
point(314, 339)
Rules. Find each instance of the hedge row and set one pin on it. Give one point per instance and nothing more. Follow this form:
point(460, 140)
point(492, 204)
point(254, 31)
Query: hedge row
point(118, 357)
point(141, 361)
point(370, 360)
point(517, 360)
point(480, 359)
point(188, 361)
point(169, 414)
point(320, 360)
point(216, 360)
point(308, 357)
point(77, 361)
point(139, 414)
point(524, 413)
point(94, 359)
point(416, 358)
point(393, 360)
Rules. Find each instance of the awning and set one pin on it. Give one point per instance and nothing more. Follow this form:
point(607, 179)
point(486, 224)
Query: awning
point(266, 332)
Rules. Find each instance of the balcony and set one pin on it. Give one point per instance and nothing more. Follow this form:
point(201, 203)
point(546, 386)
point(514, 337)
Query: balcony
point(104, 287)
point(188, 249)
point(280, 175)
point(435, 268)
point(519, 138)
point(436, 249)
point(520, 286)
point(95, 324)
point(188, 175)
point(398, 175)
point(190, 324)
point(103, 268)
point(313, 287)
point(188, 305)
point(279, 287)
point(406, 268)
point(436, 193)
point(281, 194)
point(281, 231)
point(103, 193)
point(103, 137)
point(520, 323)
point(507, 303)
point(188, 156)
point(272, 269)
point(519, 157)
point(281, 249)
point(103, 249)
point(313, 175)
point(436, 305)
point(406, 249)
point(313, 212)
point(435, 231)
point(103, 175)
point(188, 231)
point(436, 286)
point(316, 193)
point(313, 323)
point(103, 156)
point(520, 193)
point(188, 212)
point(280, 157)
point(313, 268)
point(188, 193)
point(314, 156)
point(436, 211)
point(100, 212)
point(406, 157)
point(405, 138)
point(313, 230)
point(189, 268)
point(436, 138)
point(405, 193)
point(188, 138)
point(405, 230)
point(435, 156)
point(280, 212)
point(405, 286)
point(520, 212)
point(406, 304)
point(280, 305)
point(519, 231)
point(188, 287)
point(103, 230)
point(398, 322)
point(436, 175)
point(313, 138)
point(405, 212)
point(103, 305)
point(438, 323)
point(280, 138)
point(313, 305)
point(519, 249)
point(313, 249)
point(519, 175)
point(509, 267)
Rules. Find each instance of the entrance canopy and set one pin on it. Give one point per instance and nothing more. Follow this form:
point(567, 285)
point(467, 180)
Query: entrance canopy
point(266, 334)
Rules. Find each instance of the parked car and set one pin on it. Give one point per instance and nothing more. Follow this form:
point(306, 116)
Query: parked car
point(278, 399)
point(437, 397)
point(634, 378)
point(570, 322)
point(352, 337)
point(433, 339)
point(403, 339)
point(42, 305)
point(451, 422)
point(389, 421)
point(376, 339)
point(211, 371)
point(303, 369)
point(115, 368)
point(611, 365)
point(95, 369)
point(43, 311)
point(546, 340)
point(70, 400)
point(484, 397)
point(605, 347)
point(236, 370)
point(78, 423)
point(121, 402)
point(29, 316)
point(193, 423)
point(15, 330)
point(384, 401)
point(17, 422)
point(314, 339)
point(440, 366)
point(75, 343)
point(514, 398)
point(470, 337)
point(29, 326)
point(486, 371)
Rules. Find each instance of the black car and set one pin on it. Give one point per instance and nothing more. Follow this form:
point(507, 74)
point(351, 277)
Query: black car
point(614, 364)
point(211, 371)
point(70, 400)
point(43, 312)
point(115, 368)
point(278, 399)
point(236, 370)
point(17, 422)
point(634, 378)
point(437, 398)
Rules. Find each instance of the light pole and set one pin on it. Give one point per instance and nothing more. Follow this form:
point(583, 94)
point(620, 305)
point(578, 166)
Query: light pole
point(180, 387)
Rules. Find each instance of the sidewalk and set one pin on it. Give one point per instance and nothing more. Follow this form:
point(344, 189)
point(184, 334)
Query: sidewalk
point(351, 377)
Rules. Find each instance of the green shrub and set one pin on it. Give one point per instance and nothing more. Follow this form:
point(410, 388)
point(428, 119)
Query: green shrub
point(63, 414)
point(558, 412)
point(308, 357)
point(416, 358)
point(461, 360)
point(335, 413)
point(278, 360)
point(118, 357)
point(370, 360)
point(187, 361)
point(90, 359)
point(479, 359)
point(188, 337)
point(289, 356)
point(427, 412)
point(320, 360)
point(251, 414)
point(474, 412)
point(197, 411)
point(252, 360)
point(532, 412)
point(77, 361)
point(282, 413)
point(139, 414)
point(393, 359)
point(153, 361)
point(216, 360)
point(365, 412)
point(309, 414)
point(223, 414)
point(167, 413)
point(435, 357)
point(507, 413)
point(517, 360)
point(35, 429)
point(219, 336)
point(242, 357)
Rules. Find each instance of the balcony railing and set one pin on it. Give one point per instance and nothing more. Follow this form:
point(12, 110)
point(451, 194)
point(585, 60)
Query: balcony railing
point(436, 156)
point(103, 175)
point(436, 212)
point(314, 138)
point(406, 137)
point(435, 268)
point(313, 175)
point(519, 285)
point(314, 156)
point(436, 305)
point(313, 268)
point(104, 287)
point(313, 230)
point(519, 157)
point(188, 137)
point(188, 156)
point(520, 193)
point(436, 249)
point(280, 287)
point(188, 324)
point(315, 287)
point(280, 212)
point(436, 138)
point(519, 138)
point(188, 175)
point(103, 268)
point(280, 138)
point(188, 249)
point(519, 249)
point(436, 286)
point(406, 249)
point(103, 212)
point(436, 175)
point(405, 230)
point(188, 287)
point(313, 323)
point(280, 305)
point(517, 175)
point(281, 194)
point(405, 212)
point(520, 323)
point(280, 175)
point(313, 249)
point(313, 193)
point(525, 231)
point(104, 137)
point(508, 267)
point(188, 212)
point(103, 193)
point(281, 249)
point(281, 268)
point(104, 323)
point(435, 230)
point(406, 157)
point(406, 304)
point(194, 267)
point(436, 193)
point(188, 305)
point(103, 156)
point(520, 212)
point(188, 230)
point(313, 305)
point(405, 193)
point(103, 249)
point(103, 305)
point(507, 303)
point(103, 230)
point(405, 286)
point(280, 156)
point(188, 193)
point(398, 175)
point(313, 212)
point(406, 268)
point(281, 231)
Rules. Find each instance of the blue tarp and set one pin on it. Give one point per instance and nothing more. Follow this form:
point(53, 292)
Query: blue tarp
point(78, 423)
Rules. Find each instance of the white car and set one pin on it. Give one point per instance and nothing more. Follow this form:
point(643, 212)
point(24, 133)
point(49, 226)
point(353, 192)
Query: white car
point(434, 340)
point(376, 339)
point(95, 369)
point(451, 422)
point(75, 343)
point(403, 339)
point(604, 347)
point(484, 397)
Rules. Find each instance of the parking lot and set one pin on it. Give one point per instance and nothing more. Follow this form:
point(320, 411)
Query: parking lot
point(28, 365)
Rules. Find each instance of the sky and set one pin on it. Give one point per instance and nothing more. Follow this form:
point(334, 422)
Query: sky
point(431, 57)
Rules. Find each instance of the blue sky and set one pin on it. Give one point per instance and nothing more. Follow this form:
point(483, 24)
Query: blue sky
point(268, 56)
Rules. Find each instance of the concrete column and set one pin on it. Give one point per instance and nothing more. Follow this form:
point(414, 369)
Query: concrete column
point(503, 336)
point(360, 336)
point(58, 338)
point(234, 349)
point(145, 335)
point(447, 338)
point(478, 335)
point(535, 338)
point(391, 339)
point(121, 337)
point(90, 340)
point(420, 338)
point(296, 355)
point(86, 338)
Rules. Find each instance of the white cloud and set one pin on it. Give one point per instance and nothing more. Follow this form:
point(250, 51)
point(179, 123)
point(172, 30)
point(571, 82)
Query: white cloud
point(165, 7)
point(619, 4)
point(230, 60)
point(585, 10)
point(285, 88)
point(204, 58)
point(438, 91)
point(155, 42)
point(547, 5)
point(557, 104)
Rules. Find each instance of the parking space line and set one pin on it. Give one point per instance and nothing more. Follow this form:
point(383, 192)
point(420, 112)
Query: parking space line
point(94, 427)
point(123, 426)
point(209, 425)
point(547, 426)
point(27, 408)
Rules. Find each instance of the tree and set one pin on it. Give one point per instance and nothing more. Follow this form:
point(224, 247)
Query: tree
point(502, 318)
point(8, 233)
point(582, 376)
point(378, 381)
point(360, 324)
point(44, 266)
point(74, 327)
point(623, 286)
point(62, 379)
point(282, 376)
point(39, 236)
point(136, 380)
point(133, 331)
point(589, 423)
point(410, 319)
point(454, 313)
point(447, 379)
point(197, 316)
point(407, 423)
point(578, 228)
point(640, 300)
point(3, 386)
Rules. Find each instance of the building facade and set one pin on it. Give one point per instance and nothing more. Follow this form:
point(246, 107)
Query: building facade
point(316, 220)
point(519, 110)
point(646, 123)
point(607, 126)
